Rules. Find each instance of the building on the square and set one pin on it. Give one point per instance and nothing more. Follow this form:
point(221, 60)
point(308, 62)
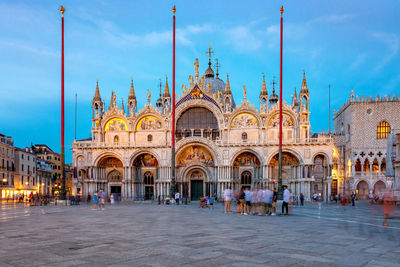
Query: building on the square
point(362, 126)
point(219, 143)
point(44, 176)
point(7, 166)
point(44, 152)
point(25, 171)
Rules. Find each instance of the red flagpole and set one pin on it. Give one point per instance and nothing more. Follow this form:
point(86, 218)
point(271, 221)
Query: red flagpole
point(280, 112)
point(173, 107)
point(63, 195)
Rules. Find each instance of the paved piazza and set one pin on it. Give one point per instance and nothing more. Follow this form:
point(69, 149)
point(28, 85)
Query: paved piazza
point(153, 235)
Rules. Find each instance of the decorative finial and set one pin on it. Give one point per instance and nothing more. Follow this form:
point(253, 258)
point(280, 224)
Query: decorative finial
point(97, 81)
point(174, 9)
point(210, 52)
point(281, 10)
point(62, 9)
point(263, 74)
point(160, 87)
point(273, 84)
point(304, 73)
point(217, 65)
point(227, 75)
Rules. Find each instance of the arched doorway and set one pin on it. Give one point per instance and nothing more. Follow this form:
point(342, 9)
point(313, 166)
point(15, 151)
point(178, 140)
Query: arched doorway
point(290, 166)
point(379, 187)
point(148, 185)
point(245, 179)
point(196, 178)
point(363, 190)
point(110, 168)
point(187, 158)
point(246, 169)
point(320, 172)
point(145, 169)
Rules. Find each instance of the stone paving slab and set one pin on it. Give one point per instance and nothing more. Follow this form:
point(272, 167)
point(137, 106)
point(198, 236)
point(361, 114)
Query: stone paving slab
point(154, 235)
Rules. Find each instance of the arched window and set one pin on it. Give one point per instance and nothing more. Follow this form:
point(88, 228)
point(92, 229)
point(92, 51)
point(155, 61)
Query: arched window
point(246, 178)
point(116, 139)
point(197, 121)
point(148, 178)
point(149, 138)
point(244, 136)
point(383, 130)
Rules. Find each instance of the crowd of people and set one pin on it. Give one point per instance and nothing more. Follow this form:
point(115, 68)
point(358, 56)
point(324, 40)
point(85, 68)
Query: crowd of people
point(256, 201)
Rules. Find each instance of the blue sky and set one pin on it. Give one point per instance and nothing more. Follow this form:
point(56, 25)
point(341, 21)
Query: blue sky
point(348, 44)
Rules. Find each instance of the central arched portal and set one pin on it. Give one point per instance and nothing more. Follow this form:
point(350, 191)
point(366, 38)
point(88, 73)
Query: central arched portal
point(290, 164)
point(112, 168)
point(195, 166)
point(196, 179)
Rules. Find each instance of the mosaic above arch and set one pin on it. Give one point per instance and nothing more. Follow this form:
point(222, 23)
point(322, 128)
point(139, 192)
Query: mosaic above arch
point(287, 121)
point(116, 124)
point(244, 120)
point(195, 154)
point(146, 160)
point(149, 123)
point(246, 159)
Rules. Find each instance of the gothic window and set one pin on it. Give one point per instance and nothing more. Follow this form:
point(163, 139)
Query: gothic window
point(148, 178)
point(366, 165)
point(358, 165)
point(375, 166)
point(244, 136)
point(149, 138)
point(246, 178)
point(383, 130)
point(383, 165)
point(116, 139)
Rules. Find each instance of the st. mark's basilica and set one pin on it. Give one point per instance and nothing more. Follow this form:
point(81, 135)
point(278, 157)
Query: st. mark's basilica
point(219, 143)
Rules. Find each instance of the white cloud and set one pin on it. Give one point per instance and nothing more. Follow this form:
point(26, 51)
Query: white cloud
point(358, 61)
point(334, 18)
point(242, 38)
point(15, 44)
point(392, 42)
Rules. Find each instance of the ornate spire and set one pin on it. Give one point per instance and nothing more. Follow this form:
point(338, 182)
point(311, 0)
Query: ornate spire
point(166, 89)
point(97, 92)
point(209, 72)
point(123, 106)
point(217, 65)
point(304, 89)
point(227, 86)
point(263, 87)
point(132, 92)
point(295, 101)
point(273, 99)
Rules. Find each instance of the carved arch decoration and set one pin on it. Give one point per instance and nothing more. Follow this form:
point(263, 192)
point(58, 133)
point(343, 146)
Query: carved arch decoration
point(151, 117)
point(200, 103)
point(195, 154)
point(244, 110)
point(210, 145)
point(116, 124)
point(246, 157)
point(244, 120)
point(135, 156)
point(290, 151)
point(149, 122)
point(197, 94)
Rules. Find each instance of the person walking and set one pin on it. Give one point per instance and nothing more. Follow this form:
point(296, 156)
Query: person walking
point(211, 202)
point(242, 202)
point(286, 198)
point(247, 198)
point(112, 199)
point(274, 199)
point(388, 205)
point(268, 194)
point(177, 197)
point(302, 199)
point(95, 201)
point(102, 196)
point(344, 200)
point(228, 199)
point(88, 199)
point(353, 199)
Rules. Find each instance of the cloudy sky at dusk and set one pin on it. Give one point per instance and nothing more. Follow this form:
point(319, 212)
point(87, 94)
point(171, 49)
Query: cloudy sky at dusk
point(348, 44)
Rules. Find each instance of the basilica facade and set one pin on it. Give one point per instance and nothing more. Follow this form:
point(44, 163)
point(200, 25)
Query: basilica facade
point(219, 144)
